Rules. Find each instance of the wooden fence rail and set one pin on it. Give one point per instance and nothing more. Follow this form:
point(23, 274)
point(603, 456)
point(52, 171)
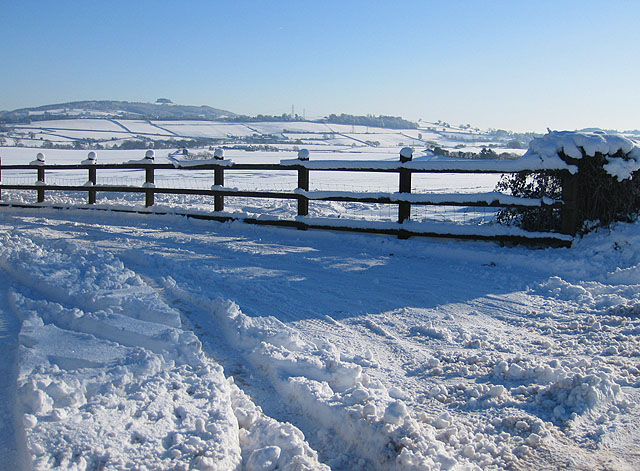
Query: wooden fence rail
point(404, 198)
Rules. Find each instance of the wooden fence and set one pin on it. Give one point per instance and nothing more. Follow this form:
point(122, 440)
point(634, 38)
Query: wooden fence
point(404, 199)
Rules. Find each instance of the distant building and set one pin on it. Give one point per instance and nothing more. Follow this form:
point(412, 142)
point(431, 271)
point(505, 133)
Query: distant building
point(163, 101)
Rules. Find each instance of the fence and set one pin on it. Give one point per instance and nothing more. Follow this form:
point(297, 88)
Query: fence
point(404, 199)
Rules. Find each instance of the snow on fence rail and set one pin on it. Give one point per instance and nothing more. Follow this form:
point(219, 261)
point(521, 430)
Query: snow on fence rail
point(404, 199)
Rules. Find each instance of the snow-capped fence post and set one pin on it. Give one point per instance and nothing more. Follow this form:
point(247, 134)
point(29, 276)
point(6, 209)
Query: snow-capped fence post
point(303, 183)
point(149, 179)
point(404, 208)
point(40, 161)
point(218, 181)
point(91, 159)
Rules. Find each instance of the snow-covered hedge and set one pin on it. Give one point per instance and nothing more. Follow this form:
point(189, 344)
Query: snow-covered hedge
point(603, 187)
point(622, 155)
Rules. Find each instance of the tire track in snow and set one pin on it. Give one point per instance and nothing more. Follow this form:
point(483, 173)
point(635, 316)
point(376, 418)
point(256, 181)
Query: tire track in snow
point(339, 408)
point(196, 315)
point(197, 318)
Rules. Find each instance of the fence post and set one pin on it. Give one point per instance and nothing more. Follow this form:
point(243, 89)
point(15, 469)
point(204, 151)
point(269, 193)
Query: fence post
point(569, 215)
point(40, 160)
point(303, 183)
point(404, 208)
point(149, 179)
point(91, 160)
point(218, 180)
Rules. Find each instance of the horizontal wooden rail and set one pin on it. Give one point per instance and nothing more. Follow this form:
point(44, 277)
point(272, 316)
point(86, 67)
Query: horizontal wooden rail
point(404, 198)
point(357, 198)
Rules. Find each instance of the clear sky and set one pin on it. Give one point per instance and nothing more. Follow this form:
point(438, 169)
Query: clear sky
point(518, 65)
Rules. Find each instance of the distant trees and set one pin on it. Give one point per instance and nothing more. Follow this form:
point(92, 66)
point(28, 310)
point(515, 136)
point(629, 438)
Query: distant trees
point(515, 144)
point(133, 144)
point(488, 154)
point(265, 118)
point(484, 154)
point(389, 122)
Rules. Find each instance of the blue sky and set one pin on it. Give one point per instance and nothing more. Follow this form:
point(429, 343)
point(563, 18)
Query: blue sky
point(518, 65)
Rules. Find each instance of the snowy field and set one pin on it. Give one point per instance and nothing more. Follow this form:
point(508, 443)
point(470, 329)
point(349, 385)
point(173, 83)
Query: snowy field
point(328, 137)
point(156, 342)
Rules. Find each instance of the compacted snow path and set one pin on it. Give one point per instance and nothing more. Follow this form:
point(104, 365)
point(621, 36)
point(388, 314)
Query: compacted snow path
point(261, 349)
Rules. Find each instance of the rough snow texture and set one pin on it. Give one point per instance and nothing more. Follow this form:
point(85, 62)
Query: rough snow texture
point(579, 144)
point(387, 355)
point(108, 380)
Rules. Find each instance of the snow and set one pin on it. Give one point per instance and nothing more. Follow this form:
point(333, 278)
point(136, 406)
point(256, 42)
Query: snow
point(315, 135)
point(526, 162)
point(114, 380)
point(143, 127)
point(198, 162)
point(444, 229)
point(77, 124)
point(40, 159)
point(205, 129)
point(157, 342)
point(574, 144)
point(487, 198)
point(406, 152)
point(92, 159)
point(303, 154)
point(622, 169)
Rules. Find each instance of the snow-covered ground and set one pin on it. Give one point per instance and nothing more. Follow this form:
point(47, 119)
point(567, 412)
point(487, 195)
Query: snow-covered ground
point(162, 343)
point(156, 342)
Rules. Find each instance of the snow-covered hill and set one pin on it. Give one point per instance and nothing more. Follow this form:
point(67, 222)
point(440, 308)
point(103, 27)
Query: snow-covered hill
point(109, 109)
point(125, 125)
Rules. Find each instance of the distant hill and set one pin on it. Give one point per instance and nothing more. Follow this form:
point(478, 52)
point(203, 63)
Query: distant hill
point(162, 109)
point(165, 109)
